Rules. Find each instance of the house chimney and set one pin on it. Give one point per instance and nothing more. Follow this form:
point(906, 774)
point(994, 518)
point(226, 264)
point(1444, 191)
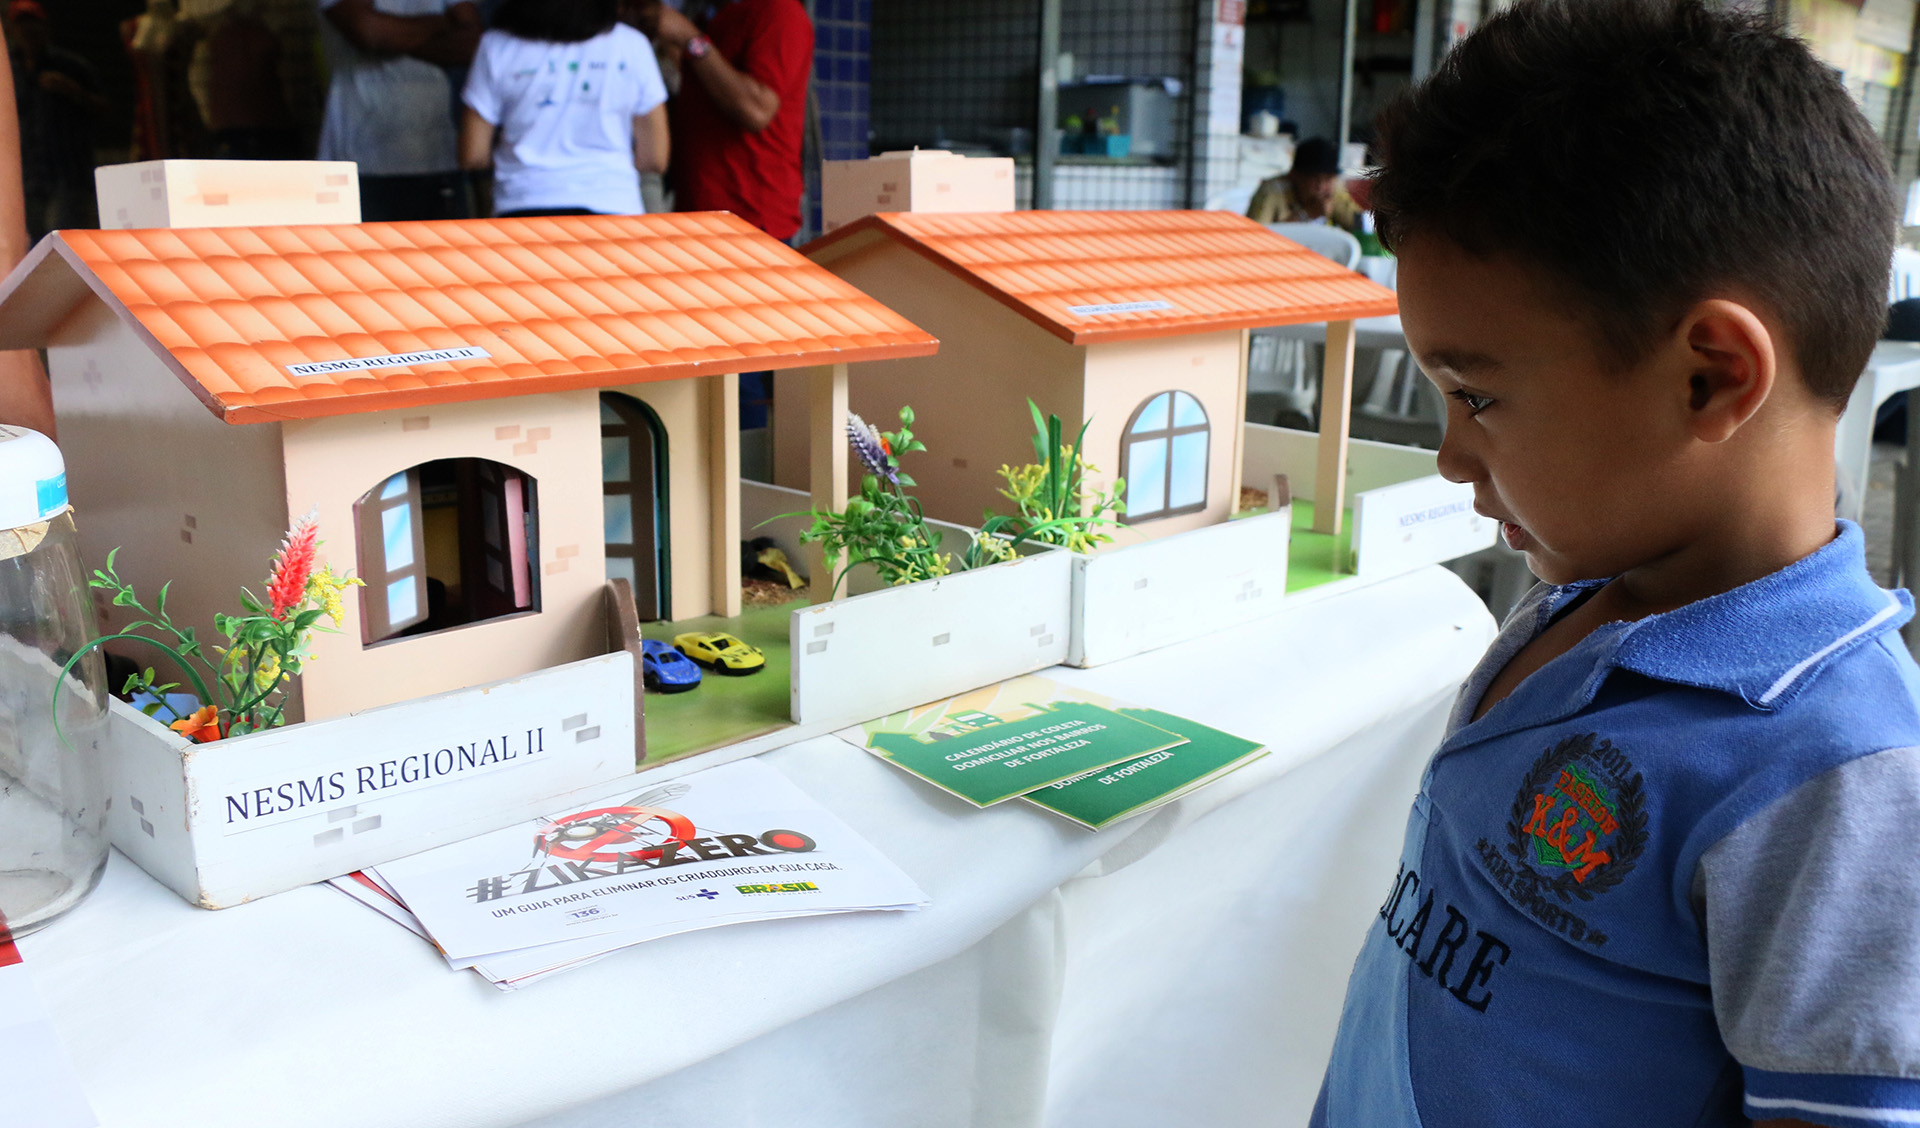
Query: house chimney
point(916, 180)
point(181, 193)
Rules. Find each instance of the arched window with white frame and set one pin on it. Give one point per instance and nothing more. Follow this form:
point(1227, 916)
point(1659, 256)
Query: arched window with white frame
point(1163, 457)
point(446, 544)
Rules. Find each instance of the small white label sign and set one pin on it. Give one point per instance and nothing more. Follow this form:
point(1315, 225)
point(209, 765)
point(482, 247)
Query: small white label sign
point(391, 360)
point(1118, 307)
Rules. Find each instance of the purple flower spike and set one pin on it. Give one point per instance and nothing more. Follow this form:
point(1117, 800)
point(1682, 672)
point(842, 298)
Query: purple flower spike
point(870, 448)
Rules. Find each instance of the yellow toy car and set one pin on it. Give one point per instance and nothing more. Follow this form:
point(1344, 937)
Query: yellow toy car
point(720, 652)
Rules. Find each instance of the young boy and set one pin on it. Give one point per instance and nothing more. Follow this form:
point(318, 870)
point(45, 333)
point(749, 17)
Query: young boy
point(1656, 874)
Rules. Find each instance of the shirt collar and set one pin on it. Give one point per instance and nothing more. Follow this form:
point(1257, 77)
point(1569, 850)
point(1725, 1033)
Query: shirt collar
point(1765, 641)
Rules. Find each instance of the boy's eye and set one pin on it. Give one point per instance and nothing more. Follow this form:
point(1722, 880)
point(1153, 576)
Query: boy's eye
point(1475, 404)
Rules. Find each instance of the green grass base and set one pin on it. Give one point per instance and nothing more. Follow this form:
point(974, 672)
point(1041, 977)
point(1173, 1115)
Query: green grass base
point(1316, 558)
point(723, 709)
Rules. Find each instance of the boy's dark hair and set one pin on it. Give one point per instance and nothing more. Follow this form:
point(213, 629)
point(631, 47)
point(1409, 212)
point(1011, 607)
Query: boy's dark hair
point(557, 21)
point(1648, 154)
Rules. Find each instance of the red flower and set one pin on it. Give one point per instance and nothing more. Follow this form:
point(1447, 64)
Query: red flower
point(287, 583)
point(202, 727)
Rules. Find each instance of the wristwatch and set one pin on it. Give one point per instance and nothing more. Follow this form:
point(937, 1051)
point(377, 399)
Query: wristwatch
point(698, 46)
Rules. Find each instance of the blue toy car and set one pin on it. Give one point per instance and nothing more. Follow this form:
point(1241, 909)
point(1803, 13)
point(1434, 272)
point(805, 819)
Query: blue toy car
point(665, 670)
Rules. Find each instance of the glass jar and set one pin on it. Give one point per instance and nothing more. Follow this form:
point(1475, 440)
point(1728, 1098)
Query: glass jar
point(53, 787)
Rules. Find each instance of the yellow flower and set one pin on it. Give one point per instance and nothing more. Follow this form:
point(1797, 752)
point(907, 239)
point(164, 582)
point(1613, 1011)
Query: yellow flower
point(268, 671)
point(995, 548)
point(324, 588)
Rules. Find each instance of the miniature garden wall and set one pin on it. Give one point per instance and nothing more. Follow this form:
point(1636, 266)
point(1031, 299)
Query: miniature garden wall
point(243, 817)
point(1404, 515)
point(882, 648)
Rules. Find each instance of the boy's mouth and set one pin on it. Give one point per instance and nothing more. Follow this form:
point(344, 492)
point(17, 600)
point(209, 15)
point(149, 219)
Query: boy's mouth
point(1515, 536)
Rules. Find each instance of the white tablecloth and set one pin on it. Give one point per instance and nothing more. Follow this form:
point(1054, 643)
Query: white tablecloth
point(1182, 968)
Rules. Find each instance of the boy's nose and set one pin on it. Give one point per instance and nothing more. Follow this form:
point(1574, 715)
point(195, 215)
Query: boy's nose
point(1455, 462)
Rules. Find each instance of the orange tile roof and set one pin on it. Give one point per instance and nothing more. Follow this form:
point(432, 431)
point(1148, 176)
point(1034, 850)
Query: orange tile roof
point(556, 304)
point(1181, 271)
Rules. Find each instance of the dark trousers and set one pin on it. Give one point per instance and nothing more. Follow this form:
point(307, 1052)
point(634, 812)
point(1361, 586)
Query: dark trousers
point(436, 195)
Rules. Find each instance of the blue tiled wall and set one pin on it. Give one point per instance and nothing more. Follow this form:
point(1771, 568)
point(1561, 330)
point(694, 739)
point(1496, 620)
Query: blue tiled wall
point(841, 54)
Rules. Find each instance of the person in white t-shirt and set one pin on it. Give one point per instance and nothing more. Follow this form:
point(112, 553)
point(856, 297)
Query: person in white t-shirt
point(389, 105)
point(567, 105)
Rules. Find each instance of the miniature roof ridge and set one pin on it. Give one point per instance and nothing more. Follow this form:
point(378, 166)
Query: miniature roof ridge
point(305, 321)
point(1093, 277)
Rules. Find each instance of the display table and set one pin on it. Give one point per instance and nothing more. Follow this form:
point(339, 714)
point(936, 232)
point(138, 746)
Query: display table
point(1181, 968)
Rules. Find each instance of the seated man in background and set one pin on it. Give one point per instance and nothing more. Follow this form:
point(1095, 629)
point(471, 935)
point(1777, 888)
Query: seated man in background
point(1309, 192)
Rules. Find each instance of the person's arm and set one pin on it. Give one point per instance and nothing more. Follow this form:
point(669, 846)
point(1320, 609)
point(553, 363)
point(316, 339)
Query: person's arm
point(454, 46)
point(650, 140)
point(1809, 927)
point(477, 135)
point(744, 99)
point(26, 399)
point(447, 39)
point(66, 86)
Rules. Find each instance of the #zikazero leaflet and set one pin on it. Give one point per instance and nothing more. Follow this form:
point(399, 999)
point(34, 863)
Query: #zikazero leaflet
point(734, 843)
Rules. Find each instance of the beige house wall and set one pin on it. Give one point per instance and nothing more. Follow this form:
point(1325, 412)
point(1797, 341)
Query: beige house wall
point(969, 399)
point(1123, 375)
point(185, 497)
point(331, 463)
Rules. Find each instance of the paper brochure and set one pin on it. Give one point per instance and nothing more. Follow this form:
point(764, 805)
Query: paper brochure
point(732, 844)
point(1078, 754)
point(1103, 797)
point(1002, 741)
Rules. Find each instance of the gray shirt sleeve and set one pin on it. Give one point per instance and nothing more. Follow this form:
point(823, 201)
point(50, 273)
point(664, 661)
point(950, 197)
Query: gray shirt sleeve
point(1812, 917)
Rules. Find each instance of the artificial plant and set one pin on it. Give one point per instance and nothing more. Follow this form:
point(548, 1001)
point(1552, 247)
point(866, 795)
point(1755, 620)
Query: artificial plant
point(242, 687)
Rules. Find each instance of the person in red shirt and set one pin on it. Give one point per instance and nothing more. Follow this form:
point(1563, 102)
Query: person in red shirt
point(741, 112)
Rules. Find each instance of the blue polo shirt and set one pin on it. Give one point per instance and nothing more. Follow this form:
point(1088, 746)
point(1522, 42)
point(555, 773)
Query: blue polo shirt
point(1668, 881)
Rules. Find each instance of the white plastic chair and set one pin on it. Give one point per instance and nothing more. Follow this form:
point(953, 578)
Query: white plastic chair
point(1283, 385)
point(1236, 199)
point(1334, 243)
point(1402, 406)
point(1904, 281)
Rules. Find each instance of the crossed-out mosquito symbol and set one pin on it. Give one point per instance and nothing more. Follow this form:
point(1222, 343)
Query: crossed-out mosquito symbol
point(608, 834)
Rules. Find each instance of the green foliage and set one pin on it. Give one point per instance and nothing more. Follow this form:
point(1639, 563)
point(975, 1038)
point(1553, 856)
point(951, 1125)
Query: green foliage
point(1055, 505)
point(245, 681)
point(882, 526)
point(885, 527)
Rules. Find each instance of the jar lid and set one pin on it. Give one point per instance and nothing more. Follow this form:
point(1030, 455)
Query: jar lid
point(33, 478)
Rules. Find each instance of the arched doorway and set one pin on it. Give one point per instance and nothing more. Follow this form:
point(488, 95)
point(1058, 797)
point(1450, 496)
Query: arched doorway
point(633, 472)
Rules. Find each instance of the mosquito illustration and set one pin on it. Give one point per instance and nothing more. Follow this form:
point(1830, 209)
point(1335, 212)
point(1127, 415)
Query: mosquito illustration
point(608, 834)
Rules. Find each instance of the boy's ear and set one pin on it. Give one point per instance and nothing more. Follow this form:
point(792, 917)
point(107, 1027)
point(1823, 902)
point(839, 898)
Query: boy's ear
point(1732, 367)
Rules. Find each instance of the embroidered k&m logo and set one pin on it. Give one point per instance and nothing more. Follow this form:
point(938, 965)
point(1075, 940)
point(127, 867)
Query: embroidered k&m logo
point(1577, 827)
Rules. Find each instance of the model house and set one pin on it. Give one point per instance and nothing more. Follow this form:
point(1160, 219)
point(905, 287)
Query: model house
point(1131, 322)
point(491, 419)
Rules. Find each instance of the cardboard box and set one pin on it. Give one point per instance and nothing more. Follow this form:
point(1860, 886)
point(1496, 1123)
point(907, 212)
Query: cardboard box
point(919, 180)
